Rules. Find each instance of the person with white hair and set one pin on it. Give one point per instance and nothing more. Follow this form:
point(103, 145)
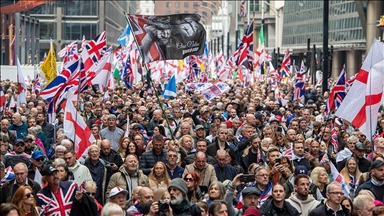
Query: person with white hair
point(363, 205)
point(112, 209)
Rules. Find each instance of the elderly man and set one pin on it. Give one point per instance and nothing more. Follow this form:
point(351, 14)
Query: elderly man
point(205, 170)
point(157, 119)
point(112, 133)
point(363, 205)
point(145, 197)
point(9, 188)
point(251, 197)
point(157, 153)
point(56, 198)
point(99, 171)
point(110, 155)
point(4, 129)
point(19, 126)
point(129, 170)
point(333, 204)
point(178, 189)
point(223, 170)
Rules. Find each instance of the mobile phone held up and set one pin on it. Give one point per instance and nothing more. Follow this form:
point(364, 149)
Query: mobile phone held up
point(247, 178)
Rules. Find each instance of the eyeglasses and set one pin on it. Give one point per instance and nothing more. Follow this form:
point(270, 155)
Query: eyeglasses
point(40, 159)
point(28, 195)
point(90, 194)
point(263, 175)
point(337, 193)
point(189, 179)
point(19, 145)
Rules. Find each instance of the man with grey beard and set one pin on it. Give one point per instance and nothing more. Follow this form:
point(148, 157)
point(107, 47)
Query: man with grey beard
point(180, 204)
point(57, 197)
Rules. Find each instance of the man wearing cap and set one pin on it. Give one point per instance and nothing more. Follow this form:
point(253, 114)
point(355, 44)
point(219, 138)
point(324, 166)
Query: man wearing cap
point(119, 196)
point(57, 197)
point(362, 163)
point(180, 205)
point(376, 183)
point(301, 199)
point(20, 171)
point(112, 133)
point(37, 160)
point(251, 197)
point(18, 155)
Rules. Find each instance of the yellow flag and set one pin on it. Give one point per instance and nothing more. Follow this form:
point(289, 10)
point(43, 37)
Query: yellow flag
point(49, 65)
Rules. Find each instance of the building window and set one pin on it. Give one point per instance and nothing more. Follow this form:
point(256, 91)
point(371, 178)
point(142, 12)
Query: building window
point(204, 13)
point(168, 4)
point(177, 4)
point(205, 4)
point(147, 10)
point(46, 9)
point(83, 8)
point(254, 5)
point(75, 31)
point(195, 5)
point(168, 12)
point(186, 4)
point(47, 30)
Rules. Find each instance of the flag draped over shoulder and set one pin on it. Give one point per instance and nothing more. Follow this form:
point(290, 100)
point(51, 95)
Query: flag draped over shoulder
point(361, 104)
point(168, 37)
point(49, 65)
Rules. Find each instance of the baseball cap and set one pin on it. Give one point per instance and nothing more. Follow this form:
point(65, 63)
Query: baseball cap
point(301, 170)
point(117, 190)
point(199, 127)
point(27, 138)
point(360, 146)
point(48, 170)
point(376, 164)
point(136, 126)
point(19, 141)
point(37, 154)
point(170, 116)
point(251, 190)
point(273, 119)
point(251, 212)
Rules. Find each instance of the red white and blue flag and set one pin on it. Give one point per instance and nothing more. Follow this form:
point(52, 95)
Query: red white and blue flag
point(334, 139)
point(299, 85)
point(286, 64)
point(338, 92)
point(244, 53)
point(94, 50)
point(243, 11)
point(36, 86)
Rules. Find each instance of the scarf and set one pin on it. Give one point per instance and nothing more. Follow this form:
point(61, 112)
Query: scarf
point(267, 192)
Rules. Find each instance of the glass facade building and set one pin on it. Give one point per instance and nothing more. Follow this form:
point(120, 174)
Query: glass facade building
point(304, 19)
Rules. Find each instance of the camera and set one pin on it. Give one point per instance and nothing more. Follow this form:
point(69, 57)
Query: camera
point(163, 206)
point(247, 178)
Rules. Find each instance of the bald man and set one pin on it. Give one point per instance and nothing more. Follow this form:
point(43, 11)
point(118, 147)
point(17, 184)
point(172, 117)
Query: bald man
point(157, 119)
point(110, 155)
point(4, 129)
point(19, 126)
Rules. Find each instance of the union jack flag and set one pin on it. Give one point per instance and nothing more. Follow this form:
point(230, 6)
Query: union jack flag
point(68, 52)
point(299, 85)
point(351, 80)
point(338, 93)
point(57, 205)
point(288, 153)
point(128, 75)
point(94, 50)
point(244, 53)
point(83, 43)
point(286, 64)
point(324, 159)
point(243, 11)
point(334, 139)
point(137, 24)
point(36, 86)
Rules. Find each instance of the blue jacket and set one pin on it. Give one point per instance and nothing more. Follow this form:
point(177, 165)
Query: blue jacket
point(369, 186)
point(177, 173)
point(228, 172)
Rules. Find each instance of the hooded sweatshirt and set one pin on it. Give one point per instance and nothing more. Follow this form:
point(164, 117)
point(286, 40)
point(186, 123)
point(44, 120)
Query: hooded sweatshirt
point(304, 206)
point(81, 173)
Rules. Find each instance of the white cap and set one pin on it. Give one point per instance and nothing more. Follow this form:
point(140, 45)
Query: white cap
point(117, 190)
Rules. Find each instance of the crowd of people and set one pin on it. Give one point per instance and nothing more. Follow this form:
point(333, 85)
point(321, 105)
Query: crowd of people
point(243, 153)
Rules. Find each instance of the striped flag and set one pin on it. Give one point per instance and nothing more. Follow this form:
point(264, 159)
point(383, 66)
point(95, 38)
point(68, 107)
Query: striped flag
point(338, 92)
point(299, 85)
point(3, 99)
point(37, 85)
point(334, 139)
point(243, 10)
point(286, 64)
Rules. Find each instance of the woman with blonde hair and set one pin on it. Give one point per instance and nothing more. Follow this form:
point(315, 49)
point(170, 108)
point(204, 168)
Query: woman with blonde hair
point(320, 178)
point(351, 175)
point(187, 143)
point(159, 178)
point(24, 200)
point(281, 142)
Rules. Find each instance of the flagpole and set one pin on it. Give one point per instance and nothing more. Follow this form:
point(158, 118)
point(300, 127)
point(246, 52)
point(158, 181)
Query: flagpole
point(149, 75)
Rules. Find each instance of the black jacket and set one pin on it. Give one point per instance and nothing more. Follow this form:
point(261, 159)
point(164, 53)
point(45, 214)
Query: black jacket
point(148, 160)
point(369, 186)
point(87, 207)
point(113, 157)
point(322, 210)
point(6, 191)
point(363, 164)
point(192, 209)
point(269, 209)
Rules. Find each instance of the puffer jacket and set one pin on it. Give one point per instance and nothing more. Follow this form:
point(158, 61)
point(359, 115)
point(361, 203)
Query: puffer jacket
point(207, 174)
point(305, 206)
point(268, 209)
point(120, 179)
point(148, 160)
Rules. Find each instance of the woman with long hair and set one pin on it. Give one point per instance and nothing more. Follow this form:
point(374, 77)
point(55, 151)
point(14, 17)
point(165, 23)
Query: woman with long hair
point(287, 163)
point(123, 145)
point(24, 200)
point(281, 142)
point(159, 178)
point(351, 175)
point(320, 178)
point(193, 182)
point(216, 191)
point(132, 148)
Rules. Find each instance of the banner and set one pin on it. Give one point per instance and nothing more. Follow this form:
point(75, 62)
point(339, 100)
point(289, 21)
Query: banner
point(168, 37)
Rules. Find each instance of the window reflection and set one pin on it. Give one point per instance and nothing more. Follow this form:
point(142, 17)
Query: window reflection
point(82, 8)
point(47, 30)
point(75, 31)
